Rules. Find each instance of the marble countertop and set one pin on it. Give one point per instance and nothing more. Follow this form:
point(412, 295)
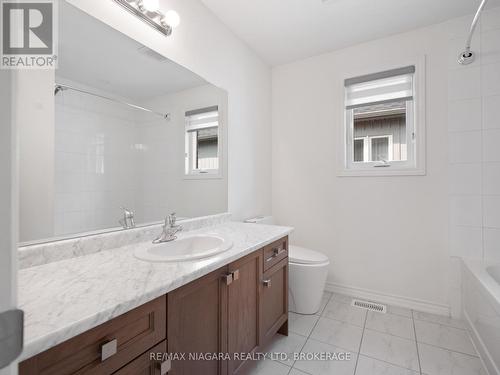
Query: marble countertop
point(66, 298)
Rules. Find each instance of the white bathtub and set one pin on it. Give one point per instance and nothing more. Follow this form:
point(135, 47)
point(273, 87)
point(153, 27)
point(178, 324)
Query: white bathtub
point(481, 309)
point(494, 271)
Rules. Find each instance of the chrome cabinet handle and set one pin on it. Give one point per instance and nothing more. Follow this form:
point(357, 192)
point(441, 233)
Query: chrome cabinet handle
point(227, 279)
point(267, 283)
point(109, 349)
point(236, 275)
point(230, 277)
point(165, 367)
point(276, 252)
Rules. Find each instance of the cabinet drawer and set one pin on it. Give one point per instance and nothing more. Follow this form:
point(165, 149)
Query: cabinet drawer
point(145, 365)
point(106, 348)
point(275, 252)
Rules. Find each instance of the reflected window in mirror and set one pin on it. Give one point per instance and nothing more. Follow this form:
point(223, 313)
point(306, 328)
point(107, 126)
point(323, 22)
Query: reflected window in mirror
point(202, 137)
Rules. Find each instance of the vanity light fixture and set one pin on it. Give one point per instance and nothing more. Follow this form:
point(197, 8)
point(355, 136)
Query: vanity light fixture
point(149, 12)
point(151, 5)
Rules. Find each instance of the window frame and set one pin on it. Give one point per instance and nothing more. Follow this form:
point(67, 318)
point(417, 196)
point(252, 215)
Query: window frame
point(198, 174)
point(366, 150)
point(415, 133)
point(367, 147)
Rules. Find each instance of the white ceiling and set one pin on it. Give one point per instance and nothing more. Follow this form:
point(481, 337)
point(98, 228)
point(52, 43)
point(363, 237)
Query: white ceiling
point(99, 56)
point(281, 31)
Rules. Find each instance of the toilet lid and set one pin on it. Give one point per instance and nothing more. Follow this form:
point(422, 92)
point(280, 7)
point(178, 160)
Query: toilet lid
point(303, 255)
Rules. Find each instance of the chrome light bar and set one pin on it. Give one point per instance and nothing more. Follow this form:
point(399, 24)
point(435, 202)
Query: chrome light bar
point(155, 19)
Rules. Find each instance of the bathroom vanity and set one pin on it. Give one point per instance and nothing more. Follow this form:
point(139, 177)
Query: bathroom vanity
point(231, 303)
point(129, 144)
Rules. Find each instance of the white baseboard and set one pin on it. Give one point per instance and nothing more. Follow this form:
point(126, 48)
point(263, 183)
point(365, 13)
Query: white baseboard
point(485, 355)
point(390, 299)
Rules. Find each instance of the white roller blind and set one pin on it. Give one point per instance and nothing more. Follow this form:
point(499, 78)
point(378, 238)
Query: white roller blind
point(384, 87)
point(205, 118)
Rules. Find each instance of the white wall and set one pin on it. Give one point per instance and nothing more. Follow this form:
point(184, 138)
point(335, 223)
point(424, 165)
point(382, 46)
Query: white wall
point(385, 236)
point(35, 124)
point(474, 139)
point(204, 45)
point(8, 199)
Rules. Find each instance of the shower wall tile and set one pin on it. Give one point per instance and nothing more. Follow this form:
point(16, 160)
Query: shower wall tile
point(474, 139)
point(464, 83)
point(93, 157)
point(465, 179)
point(491, 145)
point(465, 147)
point(464, 115)
point(466, 210)
point(490, 47)
point(490, 20)
point(490, 79)
point(466, 241)
point(491, 211)
point(491, 112)
point(491, 178)
point(492, 244)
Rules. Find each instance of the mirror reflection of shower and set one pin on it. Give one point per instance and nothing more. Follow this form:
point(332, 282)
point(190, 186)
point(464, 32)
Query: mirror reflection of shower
point(96, 164)
point(60, 87)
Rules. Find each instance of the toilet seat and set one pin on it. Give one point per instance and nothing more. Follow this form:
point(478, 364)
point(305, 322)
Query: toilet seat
point(302, 255)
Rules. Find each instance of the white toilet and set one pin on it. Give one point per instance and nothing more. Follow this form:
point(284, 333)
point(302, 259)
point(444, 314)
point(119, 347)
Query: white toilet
point(307, 275)
point(308, 272)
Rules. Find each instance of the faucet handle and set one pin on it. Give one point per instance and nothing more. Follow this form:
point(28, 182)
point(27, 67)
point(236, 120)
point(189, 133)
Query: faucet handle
point(171, 219)
point(128, 218)
point(127, 212)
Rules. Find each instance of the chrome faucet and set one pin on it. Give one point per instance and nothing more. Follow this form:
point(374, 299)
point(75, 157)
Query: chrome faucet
point(128, 220)
point(170, 229)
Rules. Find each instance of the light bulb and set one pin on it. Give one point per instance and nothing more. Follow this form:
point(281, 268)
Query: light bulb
point(151, 5)
point(172, 19)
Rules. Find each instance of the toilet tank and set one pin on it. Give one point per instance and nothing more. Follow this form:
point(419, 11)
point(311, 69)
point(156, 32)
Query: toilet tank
point(261, 220)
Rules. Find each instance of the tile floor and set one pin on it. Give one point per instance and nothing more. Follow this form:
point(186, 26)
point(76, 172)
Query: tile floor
point(401, 342)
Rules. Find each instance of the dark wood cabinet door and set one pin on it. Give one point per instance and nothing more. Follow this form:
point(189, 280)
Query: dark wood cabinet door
point(197, 323)
point(131, 334)
point(244, 308)
point(274, 301)
point(144, 365)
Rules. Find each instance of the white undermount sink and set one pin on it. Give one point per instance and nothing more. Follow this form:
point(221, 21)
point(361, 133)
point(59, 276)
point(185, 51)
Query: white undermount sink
point(184, 249)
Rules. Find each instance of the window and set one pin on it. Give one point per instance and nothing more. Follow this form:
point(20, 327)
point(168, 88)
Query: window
point(380, 112)
point(202, 142)
point(373, 148)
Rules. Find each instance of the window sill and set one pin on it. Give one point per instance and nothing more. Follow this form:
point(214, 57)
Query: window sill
point(203, 176)
point(380, 172)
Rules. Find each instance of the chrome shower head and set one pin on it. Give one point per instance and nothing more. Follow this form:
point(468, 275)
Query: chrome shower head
point(467, 57)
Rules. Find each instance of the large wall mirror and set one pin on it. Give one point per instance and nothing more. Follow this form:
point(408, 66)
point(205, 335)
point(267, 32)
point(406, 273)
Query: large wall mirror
point(133, 131)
